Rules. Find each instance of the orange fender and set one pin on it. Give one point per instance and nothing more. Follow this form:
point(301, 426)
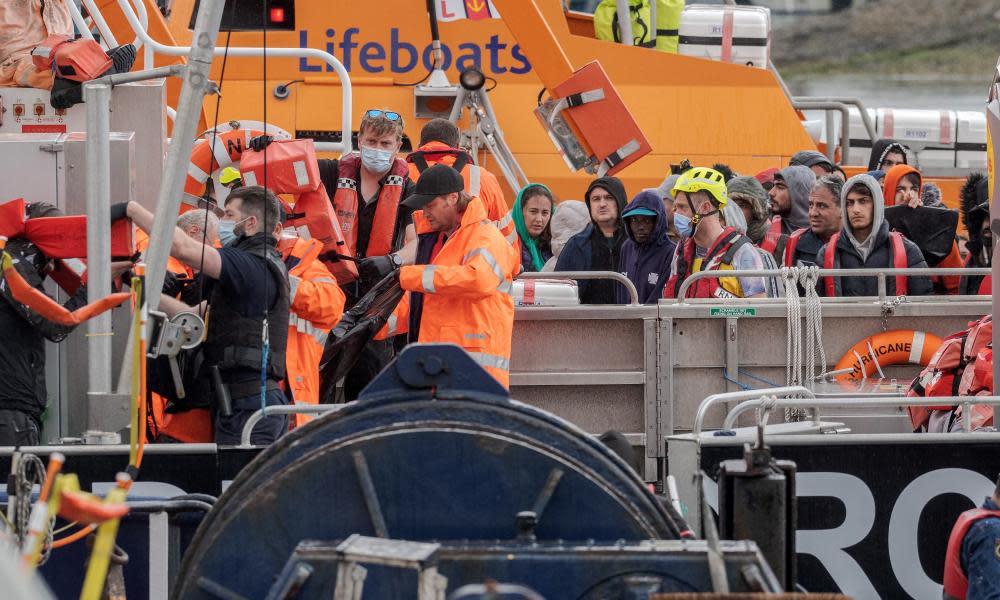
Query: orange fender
point(228, 149)
point(85, 508)
point(896, 347)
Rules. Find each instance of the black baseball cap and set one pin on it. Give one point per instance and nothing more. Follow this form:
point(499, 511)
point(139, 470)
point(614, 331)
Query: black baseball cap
point(435, 181)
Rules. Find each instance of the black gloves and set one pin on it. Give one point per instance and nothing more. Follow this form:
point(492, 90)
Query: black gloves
point(257, 144)
point(373, 269)
point(119, 210)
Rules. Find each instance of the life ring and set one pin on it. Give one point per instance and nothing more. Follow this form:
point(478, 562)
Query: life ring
point(227, 147)
point(896, 347)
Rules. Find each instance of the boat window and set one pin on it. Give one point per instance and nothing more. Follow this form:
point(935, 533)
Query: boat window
point(250, 15)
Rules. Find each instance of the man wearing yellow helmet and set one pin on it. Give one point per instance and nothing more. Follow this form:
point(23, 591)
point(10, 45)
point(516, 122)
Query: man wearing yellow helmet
point(699, 196)
point(231, 178)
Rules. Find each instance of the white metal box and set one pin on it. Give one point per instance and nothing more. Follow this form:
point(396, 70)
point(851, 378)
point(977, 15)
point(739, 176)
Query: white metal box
point(734, 34)
point(545, 292)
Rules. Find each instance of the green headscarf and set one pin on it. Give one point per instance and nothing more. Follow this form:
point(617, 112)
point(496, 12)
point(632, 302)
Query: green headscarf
point(522, 229)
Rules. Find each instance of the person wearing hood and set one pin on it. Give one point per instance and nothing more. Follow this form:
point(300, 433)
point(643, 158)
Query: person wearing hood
point(733, 215)
point(700, 197)
point(903, 186)
point(790, 207)
point(816, 161)
point(532, 212)
point(646, 254)
point(865, 242)
point(749, 195)
point(886, 154)
point(975, 207)
point(571, 218)
point(666, 192)
point(598, 246)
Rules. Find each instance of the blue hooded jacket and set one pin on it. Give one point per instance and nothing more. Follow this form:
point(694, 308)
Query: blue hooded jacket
point(646, 265)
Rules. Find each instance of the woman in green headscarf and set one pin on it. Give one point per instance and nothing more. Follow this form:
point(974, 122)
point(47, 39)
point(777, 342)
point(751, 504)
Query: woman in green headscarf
point(532, 214)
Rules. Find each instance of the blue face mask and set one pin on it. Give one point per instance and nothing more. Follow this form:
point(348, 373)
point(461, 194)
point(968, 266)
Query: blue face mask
point(682, 224)
point(375, 160)
point(227, 231)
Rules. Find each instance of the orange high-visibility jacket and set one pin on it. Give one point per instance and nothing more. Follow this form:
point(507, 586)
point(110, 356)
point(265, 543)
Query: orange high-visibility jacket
point(317, 303)
point(23, 25)
point(478, 182)
point(467, 293)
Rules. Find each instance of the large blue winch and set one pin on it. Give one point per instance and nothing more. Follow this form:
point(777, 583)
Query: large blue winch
point(436, 480)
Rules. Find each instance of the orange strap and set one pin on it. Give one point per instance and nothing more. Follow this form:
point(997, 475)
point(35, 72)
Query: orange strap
point(49, 308)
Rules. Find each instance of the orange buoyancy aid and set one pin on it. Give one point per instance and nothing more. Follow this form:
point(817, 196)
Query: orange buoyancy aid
point(899, 261)
point(770, 242)
point(316, 304)
point(956, 582)
point(345, 200)
point(718, 256)
point(793, 243)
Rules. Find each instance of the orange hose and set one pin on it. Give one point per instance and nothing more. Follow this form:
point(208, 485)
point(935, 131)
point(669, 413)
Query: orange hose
point(55, 465)
point(73, 537)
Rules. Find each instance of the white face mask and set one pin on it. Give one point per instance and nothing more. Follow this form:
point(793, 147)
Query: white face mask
point(375, 160)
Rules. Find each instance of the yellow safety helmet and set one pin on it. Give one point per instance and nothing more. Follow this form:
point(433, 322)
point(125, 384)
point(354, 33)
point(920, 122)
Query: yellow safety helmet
point(229, 175)
point(704, 179)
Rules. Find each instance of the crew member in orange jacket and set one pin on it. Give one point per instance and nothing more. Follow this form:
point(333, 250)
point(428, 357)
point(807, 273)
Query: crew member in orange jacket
point(466, 286)
point(316, 305)
point(439, 140)
point(195, 425)
point(24, 25)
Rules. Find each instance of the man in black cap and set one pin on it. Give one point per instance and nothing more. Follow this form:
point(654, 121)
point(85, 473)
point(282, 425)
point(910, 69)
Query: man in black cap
point(462, 293)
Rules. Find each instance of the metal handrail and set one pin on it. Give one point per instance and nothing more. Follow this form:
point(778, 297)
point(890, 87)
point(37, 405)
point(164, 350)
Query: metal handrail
point(345, 79)
point(291, 409)
point(850, 100)
point(845, 124)
point(965, 401)
point(791, 390)
point(881, 274)
point(618, 277)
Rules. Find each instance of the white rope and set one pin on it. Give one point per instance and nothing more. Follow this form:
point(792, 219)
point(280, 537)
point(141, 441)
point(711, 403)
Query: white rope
point(794, 345)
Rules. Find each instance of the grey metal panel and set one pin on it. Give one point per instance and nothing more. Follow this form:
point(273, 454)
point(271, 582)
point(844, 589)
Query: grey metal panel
point(140, 108)
point(649, 394)
point(564, 345)
point(595, 409)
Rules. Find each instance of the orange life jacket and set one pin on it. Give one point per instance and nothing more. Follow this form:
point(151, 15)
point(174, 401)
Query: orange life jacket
point(956, 583)
point(346, 202)
point(898, 262)
point(793, 243)
point(720, 254)
point(770, 242)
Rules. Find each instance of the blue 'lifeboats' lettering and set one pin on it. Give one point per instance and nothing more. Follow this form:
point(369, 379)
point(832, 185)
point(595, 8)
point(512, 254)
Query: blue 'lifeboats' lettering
point(495, 57)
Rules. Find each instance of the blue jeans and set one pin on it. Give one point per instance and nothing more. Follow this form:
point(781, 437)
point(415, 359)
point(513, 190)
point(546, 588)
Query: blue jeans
point(228, 430)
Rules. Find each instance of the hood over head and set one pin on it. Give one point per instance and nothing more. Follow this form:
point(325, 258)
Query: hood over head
point(570, 218)
point(878, 217)
point(614, 186)
point(800, 181)
point(648, 200)
point(810, 158)
point(666, 189)
point(522, 228)
point(766, 177)
point(883, 147)
point(975, 206)
point(750, 190)
point(892, 178)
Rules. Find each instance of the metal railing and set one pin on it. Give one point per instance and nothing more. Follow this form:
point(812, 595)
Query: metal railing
point(841, 105)
point(707, 403)
point(965, 401)
point(345, 80)
point(880, 274)
point(292, 409)
point(617, 277)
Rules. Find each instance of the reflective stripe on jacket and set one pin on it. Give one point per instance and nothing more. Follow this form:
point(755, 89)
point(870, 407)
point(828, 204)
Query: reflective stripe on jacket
point(316, 305)
point(23, 25)
point(467, 293)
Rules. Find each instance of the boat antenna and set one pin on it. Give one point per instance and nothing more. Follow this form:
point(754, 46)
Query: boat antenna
point(437, 75)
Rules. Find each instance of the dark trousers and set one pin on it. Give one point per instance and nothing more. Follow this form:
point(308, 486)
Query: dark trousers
point(229, 430)
point(18, 428)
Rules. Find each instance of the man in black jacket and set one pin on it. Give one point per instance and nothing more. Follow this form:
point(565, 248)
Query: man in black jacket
point(865, 242)
point(251, 288)
point(23, 395)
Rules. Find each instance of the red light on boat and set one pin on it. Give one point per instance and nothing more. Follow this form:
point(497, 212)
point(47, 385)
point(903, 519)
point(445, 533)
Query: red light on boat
point(277, 14)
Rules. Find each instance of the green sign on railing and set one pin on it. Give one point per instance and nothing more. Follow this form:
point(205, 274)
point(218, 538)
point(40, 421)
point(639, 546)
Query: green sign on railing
point(733, 311)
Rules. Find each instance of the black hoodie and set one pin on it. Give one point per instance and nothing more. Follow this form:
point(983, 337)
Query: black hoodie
point(880, 149)
point(589, 250)
point(975, 210)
